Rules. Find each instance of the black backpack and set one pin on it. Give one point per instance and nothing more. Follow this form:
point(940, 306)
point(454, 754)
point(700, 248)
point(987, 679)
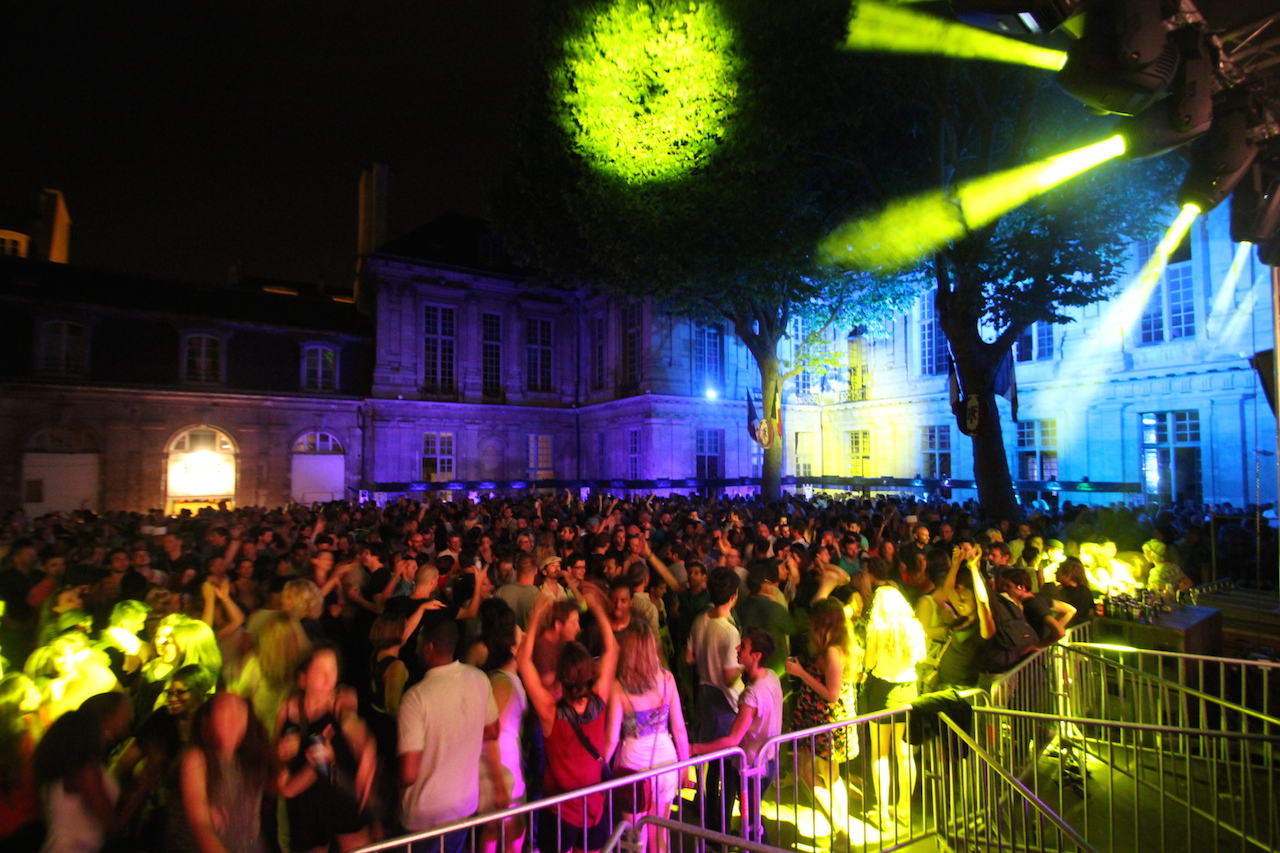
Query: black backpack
point(1013, 637)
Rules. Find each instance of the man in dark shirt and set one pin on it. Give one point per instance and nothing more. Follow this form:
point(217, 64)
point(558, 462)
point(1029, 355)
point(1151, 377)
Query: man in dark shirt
point(762, 609)
point(1048, 618)
point(18, 619)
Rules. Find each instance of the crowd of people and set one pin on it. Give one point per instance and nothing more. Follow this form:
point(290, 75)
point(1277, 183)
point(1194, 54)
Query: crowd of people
point(306, 678)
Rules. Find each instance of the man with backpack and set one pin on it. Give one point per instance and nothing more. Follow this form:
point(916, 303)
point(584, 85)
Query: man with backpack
point(1024, 621)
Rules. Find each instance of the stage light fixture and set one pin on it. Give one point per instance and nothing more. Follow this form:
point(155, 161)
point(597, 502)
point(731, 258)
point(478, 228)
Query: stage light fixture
point(1021, 17)
point(1124, 59)
point(1180, 118)
point(1221, 159)
point(1255, 204)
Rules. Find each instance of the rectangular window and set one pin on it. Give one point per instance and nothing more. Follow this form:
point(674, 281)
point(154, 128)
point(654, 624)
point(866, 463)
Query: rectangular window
point(1024, 347)
point(708, 456)
point(1037, 450)
point(859, 371)
point(63, 349)
point(757, 459)
point(631, 351)
point(1152, 323)
point(320, 369)
point(1171, 469)
point(439, 348)
point(708, 359)
point(935, 446)
point(1035, 342)
point(599, 350)
point(933, 343)
point(491, 355)
point(437, 456)
point(806, 450)
point(1170, 311)
point(539, 462)
point(633, 454)
point(860, 453)
point(538, 355)
point(1044, 340)
point(1182, 310)
point(203, 362)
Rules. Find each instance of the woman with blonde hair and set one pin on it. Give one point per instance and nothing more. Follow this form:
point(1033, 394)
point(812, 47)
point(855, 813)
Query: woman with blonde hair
point(645, 720)
point(895, 644)
point(827, 696)
point(267, 677)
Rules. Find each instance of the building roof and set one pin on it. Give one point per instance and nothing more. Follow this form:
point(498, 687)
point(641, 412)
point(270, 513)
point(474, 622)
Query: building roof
point(64, 284)
point(456, 240)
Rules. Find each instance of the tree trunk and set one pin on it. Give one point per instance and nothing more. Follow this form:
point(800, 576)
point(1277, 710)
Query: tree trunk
point(977, 363)
point(991, 468)
point(771, 471)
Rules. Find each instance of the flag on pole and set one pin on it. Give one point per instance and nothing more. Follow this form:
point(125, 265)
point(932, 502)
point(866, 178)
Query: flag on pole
point(1006, 384)
point(751, 417)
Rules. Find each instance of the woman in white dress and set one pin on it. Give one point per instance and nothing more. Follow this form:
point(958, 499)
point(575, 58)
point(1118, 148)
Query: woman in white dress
point(645, 720)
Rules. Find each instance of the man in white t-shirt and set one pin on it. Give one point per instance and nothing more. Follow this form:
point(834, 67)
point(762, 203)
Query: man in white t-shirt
point(444, 720)
point(713, 644)
point(759, 718)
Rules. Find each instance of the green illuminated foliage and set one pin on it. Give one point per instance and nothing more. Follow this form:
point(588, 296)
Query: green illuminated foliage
point(647, 91)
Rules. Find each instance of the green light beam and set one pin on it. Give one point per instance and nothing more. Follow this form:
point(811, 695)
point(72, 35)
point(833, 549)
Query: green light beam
point(911, 228)
point(889, 28)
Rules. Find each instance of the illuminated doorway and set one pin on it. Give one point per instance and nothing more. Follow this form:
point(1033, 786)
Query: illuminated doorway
point(202, 469)
point(319, 469)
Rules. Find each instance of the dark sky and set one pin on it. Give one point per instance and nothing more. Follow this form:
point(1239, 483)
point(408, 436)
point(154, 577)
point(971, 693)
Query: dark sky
point(187, 136)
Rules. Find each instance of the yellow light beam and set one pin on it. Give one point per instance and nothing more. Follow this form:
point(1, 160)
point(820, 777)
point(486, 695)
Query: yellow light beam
point(1128, 308)
point(888, 28)
point(911, 228)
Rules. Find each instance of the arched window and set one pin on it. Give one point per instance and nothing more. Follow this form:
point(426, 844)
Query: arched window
point(318, 442)
point(202, 468)
point(63, 349)
point(319, 368)
point(202, 359)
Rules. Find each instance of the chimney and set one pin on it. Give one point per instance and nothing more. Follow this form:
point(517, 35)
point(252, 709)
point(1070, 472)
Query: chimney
point(53, 228)
point(373, 209)
point(371, 231)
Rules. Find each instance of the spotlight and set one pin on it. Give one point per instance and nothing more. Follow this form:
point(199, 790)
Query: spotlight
point(711, 393)
point(1124, 60)
point(1255, 204)
point(1221, 159)
point(1183, 116)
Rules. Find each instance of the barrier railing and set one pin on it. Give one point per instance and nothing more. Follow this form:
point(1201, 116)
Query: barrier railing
point(1128, 786)
point(1201, 691)
point(680, 833)
point(574, 828)
point(987, 806)
point(820, 802)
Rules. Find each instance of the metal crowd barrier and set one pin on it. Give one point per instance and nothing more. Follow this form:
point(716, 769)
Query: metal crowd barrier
point(680, 834)
point(470, 832)
point(812, 802)
point(983, 805)
point(1127, 786)
point(1195, 691)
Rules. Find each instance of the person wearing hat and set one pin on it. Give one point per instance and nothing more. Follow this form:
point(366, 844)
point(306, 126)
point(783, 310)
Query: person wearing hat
point(1163, 572)
point(551, 573)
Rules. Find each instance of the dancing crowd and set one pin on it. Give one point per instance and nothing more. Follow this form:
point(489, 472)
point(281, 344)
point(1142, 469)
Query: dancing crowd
point(306, 678)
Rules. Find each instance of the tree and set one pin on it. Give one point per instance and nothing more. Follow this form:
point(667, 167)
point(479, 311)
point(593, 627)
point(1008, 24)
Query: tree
point(1061, 250)
point(698, 152)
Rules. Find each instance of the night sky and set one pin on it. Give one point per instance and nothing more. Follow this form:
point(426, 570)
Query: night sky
point(189, 136)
